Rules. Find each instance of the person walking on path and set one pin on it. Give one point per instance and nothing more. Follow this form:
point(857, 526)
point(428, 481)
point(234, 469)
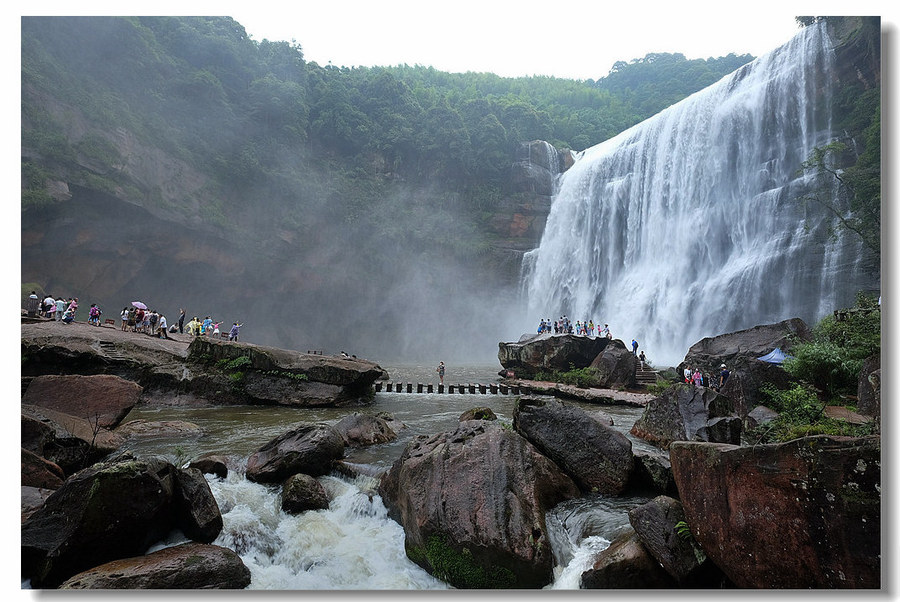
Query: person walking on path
point(235, 330)
point(163, 328)
point(634, 346)
point(723, 376)
point(440, 371)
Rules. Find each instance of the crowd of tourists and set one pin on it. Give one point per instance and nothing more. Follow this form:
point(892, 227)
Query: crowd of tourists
point(137, 318)
point(700, 379)
point(565, 326)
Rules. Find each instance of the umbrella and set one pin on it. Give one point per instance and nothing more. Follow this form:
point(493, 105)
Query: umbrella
point(139, 305)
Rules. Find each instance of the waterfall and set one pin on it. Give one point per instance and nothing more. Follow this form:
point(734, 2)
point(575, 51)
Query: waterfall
point(691, 224)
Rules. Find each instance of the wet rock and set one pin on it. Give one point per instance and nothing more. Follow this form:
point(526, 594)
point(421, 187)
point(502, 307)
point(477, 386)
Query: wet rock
point(360, 430)
point(196, 510)
point(32, 499)
point(111, 510)
point(615, 366)
point(157, 428)
point(796, 515)
point(187, 566)
point(472, 503)
point(657, 524)
point(68, 441)
point(301, 492)
point(478, 414)
point(653, 471)
point(309, 449)
point(597, 457)
point(626, 564)
point(211, 464)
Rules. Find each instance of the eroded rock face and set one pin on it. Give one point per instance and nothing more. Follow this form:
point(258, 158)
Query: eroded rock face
point(801, 514)
point(615, 366)
point(626, 564)
point(472, 503)
point(596, 456)
point(309, 449)
point(187, 566)
point(686, 413)
point(550, 352)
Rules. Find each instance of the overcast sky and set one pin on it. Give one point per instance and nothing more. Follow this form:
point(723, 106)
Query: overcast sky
point(578, 39)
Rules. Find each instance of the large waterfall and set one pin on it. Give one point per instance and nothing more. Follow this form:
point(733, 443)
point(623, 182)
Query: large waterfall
point(691, 223)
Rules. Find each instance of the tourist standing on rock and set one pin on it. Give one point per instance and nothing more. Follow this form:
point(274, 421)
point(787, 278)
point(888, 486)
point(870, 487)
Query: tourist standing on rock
point(60, 309)
point(181, 322)
point(94, 315)
point(206, 326)
point(48, 302)
point(124, 316)
point(643, 359)
point(440, 371)
point(697, 378)
point(73, 306)
point(723, 376)
point(32, 305)
point(605, 332)
point(634, 346)
point(687, 374)
point(162, 327)
point(235, 330)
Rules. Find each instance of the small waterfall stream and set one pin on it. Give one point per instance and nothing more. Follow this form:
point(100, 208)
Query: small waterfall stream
point(691, 223)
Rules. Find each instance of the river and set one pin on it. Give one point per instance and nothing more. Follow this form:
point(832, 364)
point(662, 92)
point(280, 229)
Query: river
point(353, 545)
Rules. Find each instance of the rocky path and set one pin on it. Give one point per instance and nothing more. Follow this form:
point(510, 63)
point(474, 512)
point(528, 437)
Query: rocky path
point(592, 395)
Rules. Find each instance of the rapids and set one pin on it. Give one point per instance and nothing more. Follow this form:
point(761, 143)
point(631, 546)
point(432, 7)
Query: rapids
point(354, 545)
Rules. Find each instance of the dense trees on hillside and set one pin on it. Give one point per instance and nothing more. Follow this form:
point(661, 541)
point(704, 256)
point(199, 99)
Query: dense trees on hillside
point(233, 107)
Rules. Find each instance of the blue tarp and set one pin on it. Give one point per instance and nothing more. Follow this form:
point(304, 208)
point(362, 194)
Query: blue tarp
point(777, 356)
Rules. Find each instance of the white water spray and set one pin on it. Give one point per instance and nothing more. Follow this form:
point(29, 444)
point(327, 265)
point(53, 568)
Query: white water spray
point(691, 223)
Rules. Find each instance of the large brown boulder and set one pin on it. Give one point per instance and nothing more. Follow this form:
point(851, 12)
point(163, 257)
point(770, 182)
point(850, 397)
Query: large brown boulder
point(549, 353)
point(596, 456)
point(687, 413)
point(302, 492)
point(308, 448)
point(472, 503)
point(196, 510)
point(102, 398)
point(187, 566)
point(796, 515)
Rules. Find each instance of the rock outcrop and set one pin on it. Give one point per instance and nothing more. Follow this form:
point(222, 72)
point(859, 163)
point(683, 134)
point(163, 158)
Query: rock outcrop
point(206, 369)
point(102, 398)
point(472, 503)
point(626, 564)
point(359, 430)
point(796, 515)
point(550, 352)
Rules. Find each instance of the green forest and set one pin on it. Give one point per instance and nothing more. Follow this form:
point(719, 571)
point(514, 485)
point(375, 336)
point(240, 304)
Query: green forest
point(264, 125)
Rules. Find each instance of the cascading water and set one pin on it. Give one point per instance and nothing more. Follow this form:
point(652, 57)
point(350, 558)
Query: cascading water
point(691, 223)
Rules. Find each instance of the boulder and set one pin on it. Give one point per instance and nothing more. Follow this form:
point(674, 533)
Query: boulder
point(653, 471)
point(157, 428)
point(301, 492)
point(472, 503)
point(68, 441)
point(101, 398)
point(111, 510)
point(309, 449)
point(478, 414)
point(738, 349)
point(211, 464)
point(596, 456)
point(38, 472)
point(657, 526)
point(745, 379)
point(196, 511)
point(615, 366)
point(187, 566)
point(549, 353)
point(626, 564)
point(359, 430)
point(759, 416)
point(805, 514)
point(686, 413)
point(32, 499)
